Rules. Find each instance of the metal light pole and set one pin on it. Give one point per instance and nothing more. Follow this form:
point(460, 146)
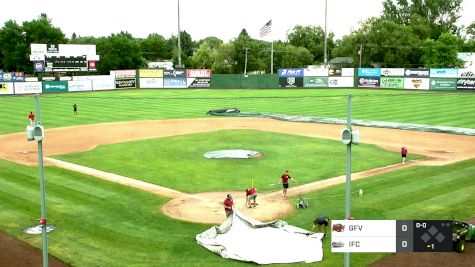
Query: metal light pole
point(42, 188)
point(179, 37)
point(361, 53)
point(245, 62)
point(348, 173)
point(325, 56)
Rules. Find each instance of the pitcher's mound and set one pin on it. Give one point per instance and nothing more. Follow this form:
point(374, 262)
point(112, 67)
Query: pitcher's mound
point(208, 207)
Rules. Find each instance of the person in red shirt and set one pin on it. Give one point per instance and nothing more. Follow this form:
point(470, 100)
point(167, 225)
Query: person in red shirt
point(31, 117)
point(285, 182)
point(228, 205)
point(404, 154)
point(251, 194)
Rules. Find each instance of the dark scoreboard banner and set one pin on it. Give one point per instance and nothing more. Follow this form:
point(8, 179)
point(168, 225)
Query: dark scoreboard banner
point(63, 63)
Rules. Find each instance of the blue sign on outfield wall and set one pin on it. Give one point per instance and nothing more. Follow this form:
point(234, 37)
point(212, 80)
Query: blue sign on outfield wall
point(443, 73)
point(369, 72)
point(290, 72)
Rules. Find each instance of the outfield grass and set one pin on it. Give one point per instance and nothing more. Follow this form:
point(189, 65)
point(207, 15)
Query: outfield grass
point(434, 108)
point(177, 162)
point(105, 224)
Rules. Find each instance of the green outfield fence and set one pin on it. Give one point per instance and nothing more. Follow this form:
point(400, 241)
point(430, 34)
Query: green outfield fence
point(232, 81)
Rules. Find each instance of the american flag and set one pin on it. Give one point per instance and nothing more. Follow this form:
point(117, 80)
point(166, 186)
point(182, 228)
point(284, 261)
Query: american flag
point(267, 28)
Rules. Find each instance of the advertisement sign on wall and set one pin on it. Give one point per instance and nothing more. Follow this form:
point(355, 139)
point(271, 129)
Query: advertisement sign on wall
point(443, 73)
point(369, 72)
point(392, 82)
point(347, 72)
point(55, 87)
point(347, 82)
point(290, 72)
point(6, 88)
point(314, 72)
point(442, 84)
point(417, 83)
point(334, 72)
point(198, 73)
point(466, 84)
point(178, 73)
point(417, 73)
point(151, 73)
point(28, 88)
point(174, 82)
point(78, 86)
point(462, 73)
point(290, 82)
point(151, 82)
point(198, 82)
point(390, 72)
point(125, 83)
point(370, 82)
point(93, 77)
point(119, 74)
point(12, 76)
point(103, 84)
point(315, 82)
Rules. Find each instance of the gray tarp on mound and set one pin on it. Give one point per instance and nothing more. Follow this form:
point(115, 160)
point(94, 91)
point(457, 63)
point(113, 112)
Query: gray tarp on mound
point(231, 154)
point(245, 239)
point(381, 124)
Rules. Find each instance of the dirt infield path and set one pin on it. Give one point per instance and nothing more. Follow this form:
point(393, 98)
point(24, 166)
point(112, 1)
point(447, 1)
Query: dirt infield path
point(14, 253)
point(437, 147)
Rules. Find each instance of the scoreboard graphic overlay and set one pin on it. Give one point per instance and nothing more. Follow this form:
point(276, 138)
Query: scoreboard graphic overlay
point(391, 236)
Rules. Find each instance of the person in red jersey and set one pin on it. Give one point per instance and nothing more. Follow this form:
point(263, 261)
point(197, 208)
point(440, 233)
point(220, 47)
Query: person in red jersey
point(31, 117)
point(251, 195)
point(228, 205)
point(403, 154)
point(285, 182)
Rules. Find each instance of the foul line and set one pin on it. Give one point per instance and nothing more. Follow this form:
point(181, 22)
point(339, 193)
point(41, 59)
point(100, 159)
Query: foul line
point(119, 179)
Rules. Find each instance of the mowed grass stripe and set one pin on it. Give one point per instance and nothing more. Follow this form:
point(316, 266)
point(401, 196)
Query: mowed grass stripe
point(449, 109)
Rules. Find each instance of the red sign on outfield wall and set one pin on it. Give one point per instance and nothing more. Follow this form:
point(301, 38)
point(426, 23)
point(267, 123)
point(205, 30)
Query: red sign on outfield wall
point(198, 73)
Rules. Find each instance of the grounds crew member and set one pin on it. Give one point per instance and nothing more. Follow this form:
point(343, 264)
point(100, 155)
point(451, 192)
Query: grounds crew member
point(403, 154)
point(251, 194)
point(228, 205)
point(31, 117)
point(285, 182)
point(319, 222)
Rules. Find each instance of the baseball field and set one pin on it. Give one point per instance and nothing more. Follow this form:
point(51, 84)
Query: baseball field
point(127, 183)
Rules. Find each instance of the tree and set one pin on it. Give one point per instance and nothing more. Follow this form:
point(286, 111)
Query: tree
point(204, 57)
point(312, 38)
point(156, 47)
point(224, 62)
point(84, 40)
point(289, 56)
point(15, 41)
point(42, 31)
point(118, 52)
point(188, 47)
point(441, 53)
point(384, 43)
point(440, 15)
point(213, 42)
point(241, 44)
point(13, 48)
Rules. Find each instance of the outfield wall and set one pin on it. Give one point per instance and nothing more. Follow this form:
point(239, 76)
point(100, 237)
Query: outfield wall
point(374, 78)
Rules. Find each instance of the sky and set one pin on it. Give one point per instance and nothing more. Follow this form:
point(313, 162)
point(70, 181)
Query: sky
point(201, 18)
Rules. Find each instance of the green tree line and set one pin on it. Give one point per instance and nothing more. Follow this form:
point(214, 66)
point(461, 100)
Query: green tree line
point(419, 33)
